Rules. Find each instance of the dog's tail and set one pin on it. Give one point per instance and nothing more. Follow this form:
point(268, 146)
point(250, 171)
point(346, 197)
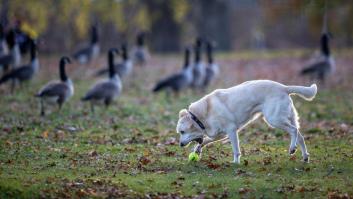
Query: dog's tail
point(308, 93)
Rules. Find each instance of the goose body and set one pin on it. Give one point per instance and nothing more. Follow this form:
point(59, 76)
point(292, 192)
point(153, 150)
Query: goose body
point(105, 90)
point(324, 65)
point(90, 52)
point(179, 81)
point(57, 91)
point(212, 69)
point(199, 71)
point(25, 72)
point(123, 69)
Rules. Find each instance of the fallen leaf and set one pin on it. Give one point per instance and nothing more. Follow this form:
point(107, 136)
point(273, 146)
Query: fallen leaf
point(45, 134)
point(244, 190)
point(92, 153)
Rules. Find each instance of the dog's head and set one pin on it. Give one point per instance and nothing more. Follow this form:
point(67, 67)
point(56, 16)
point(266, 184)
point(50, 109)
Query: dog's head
point(188, 129)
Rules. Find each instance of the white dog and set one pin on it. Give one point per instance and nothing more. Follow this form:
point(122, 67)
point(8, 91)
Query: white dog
point(224, 112)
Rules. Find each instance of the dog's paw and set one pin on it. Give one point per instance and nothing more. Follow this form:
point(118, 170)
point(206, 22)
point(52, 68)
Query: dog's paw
point(236, 162)
point(306, 159)
point(236, 159)
point(292, 151)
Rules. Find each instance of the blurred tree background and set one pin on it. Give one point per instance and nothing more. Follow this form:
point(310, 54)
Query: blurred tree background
point(171, 24)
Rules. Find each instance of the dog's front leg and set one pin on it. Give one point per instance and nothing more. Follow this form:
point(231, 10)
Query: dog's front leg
point(207, 141)
point(234, 139)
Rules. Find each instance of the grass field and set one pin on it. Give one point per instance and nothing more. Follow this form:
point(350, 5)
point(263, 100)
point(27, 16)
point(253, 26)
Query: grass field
point(131, 149)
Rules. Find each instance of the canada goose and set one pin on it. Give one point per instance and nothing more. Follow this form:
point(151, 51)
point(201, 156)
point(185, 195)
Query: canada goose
point(212, 68)
point(57, 91)
point(180, 80)
point(123, 68)
point(198, 67)
point(140, 52)
point(107, 90)
point(25, 72)
point(90, 52)
point(3, 45)
point(14, 56)
point(325, 65)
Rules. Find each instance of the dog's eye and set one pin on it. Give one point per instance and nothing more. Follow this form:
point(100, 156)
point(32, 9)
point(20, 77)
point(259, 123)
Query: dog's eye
point(182, 132)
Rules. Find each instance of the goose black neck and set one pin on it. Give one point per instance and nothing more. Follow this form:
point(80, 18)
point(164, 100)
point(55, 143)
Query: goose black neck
point(94, 36)
point(197, 53)
point(33, 51)
point(2, 33)
point(63, 76)
point(187, 58)
point(124, 53)
point(11, 39)
point(209, 54)
point(325, 49)
point(140, 41)
point(111, 64)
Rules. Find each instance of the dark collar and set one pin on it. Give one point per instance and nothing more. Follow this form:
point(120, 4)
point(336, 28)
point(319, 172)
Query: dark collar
point(198, 122)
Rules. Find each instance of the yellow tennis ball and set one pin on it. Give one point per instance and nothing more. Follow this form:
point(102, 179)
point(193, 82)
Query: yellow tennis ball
point(193, 157)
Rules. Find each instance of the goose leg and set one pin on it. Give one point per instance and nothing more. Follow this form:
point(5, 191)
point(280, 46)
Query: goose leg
point(107, 102)
point(92, 107)
point(6, 68)
point(13, 84)
point(60, 103)
point(42, 112)
point(60, 106)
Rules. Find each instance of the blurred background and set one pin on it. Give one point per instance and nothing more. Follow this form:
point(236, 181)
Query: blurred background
point(171, 24)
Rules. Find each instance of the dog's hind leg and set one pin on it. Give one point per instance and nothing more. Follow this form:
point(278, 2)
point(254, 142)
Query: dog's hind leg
point(301, 142)
point(282, 115)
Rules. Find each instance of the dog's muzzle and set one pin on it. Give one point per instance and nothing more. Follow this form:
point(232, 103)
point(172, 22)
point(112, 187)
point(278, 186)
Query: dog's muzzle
point(198, 140)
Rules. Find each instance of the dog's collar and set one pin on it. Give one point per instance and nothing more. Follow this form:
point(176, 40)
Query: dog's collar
point(198, 122)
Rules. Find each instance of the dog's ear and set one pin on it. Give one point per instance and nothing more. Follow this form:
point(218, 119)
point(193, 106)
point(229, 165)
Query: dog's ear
point(182, 113)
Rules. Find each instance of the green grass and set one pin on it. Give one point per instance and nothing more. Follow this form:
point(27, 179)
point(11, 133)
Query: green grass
point(131, 150)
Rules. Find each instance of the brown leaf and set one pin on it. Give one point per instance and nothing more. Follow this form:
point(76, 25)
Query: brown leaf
point(246, 163)
point(144, 160)
point(93, 153)
point(244, 190)
point(170, 153)
point(213, 165)
point(8, 143)
point(267, 160)
point(45, 134)
point(293, 158)
point(336, 195)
